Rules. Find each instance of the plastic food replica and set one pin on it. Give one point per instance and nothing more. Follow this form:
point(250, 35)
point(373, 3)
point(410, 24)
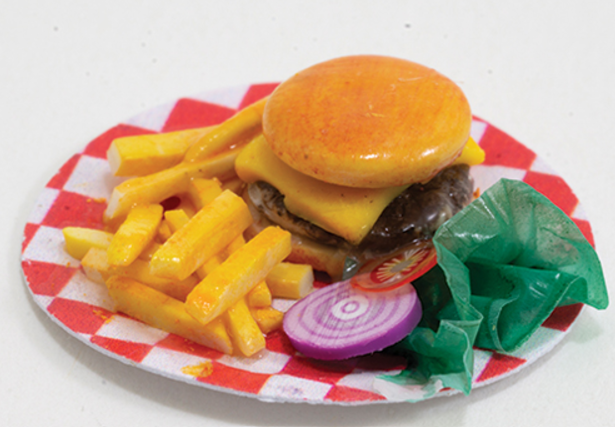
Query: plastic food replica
point(351, 235)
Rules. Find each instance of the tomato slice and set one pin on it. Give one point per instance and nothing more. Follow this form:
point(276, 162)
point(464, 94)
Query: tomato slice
point(395, 270)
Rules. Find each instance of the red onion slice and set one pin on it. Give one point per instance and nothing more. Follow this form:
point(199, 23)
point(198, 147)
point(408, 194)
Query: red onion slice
point(339, 321)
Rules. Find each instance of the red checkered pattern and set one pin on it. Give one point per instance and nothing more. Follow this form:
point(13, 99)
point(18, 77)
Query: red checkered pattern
point(76, 196)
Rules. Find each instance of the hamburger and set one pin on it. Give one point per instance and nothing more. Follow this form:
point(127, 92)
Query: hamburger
point(359, 157)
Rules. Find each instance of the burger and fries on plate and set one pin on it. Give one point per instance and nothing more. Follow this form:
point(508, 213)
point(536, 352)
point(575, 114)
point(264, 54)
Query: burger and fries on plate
point(348, 166)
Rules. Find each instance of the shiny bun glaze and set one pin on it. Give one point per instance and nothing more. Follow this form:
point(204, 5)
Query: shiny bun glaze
point(367, 121)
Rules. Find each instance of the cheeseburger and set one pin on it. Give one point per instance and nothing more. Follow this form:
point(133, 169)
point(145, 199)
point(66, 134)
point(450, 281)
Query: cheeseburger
point(359, 157)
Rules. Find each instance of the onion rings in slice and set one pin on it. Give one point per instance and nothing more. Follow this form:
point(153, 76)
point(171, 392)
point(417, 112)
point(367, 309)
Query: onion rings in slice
point(339, 321)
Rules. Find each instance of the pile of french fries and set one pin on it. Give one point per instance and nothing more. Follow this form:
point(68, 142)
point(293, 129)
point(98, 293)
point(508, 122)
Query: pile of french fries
point(173, 254)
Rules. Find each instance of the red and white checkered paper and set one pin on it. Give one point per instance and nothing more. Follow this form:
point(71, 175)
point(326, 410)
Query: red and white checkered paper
point(76, 196)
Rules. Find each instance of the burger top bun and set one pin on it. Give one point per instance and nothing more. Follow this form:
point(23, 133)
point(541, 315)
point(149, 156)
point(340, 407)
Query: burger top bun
point(367, 121)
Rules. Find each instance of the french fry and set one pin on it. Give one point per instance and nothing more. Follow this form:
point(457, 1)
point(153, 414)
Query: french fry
point(187, 206)
point(245, 333)
point(219, 258)
point(96, 267)
point(267, 318)
point(142, 155)
point(288, 280)
point(236, 276)
point(210, 265)
point(161, 185)
point(135, 233)
point(240, 128)
point(236, 185)
point(149, 251)
point(164, 232)
point(235, 244)
point(79, 240)
point(206, 234)
point(163, 312)
point(259, 296)
point(202, 191)
point(176, 219)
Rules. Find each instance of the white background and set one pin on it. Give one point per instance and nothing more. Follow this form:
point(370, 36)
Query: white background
point(544, 72)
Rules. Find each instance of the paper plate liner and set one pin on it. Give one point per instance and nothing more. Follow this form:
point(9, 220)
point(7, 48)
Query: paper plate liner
point(77, 194)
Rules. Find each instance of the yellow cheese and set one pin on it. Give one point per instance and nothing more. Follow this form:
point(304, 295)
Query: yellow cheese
point(471, 154)
point(348, 212)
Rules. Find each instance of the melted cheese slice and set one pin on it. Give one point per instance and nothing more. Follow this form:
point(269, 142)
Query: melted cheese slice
point(348, 212)
point(471, 154)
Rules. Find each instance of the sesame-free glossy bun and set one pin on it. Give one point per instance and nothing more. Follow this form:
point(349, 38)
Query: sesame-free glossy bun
point(367, 121)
